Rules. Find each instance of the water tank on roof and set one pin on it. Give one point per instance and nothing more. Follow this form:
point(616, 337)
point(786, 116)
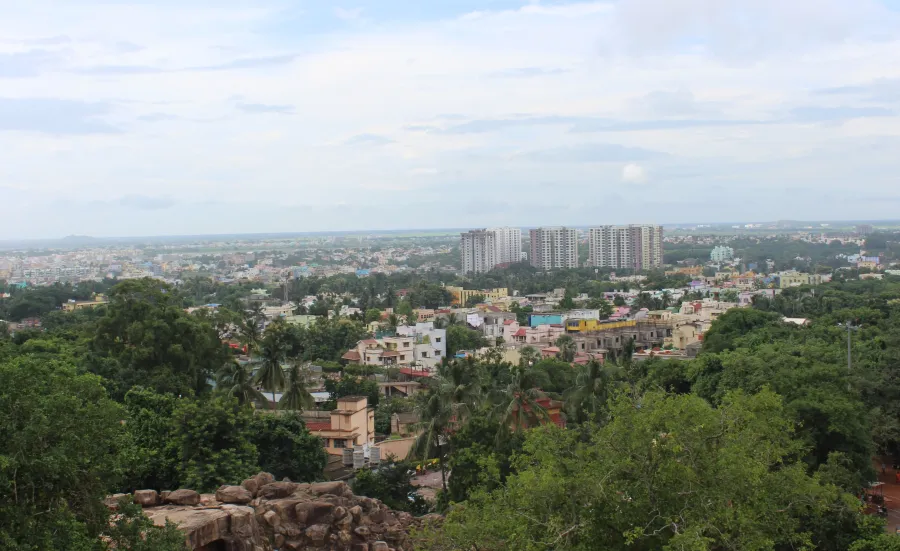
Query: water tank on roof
point(374, 456)
point(347, 457)
point(359, 460)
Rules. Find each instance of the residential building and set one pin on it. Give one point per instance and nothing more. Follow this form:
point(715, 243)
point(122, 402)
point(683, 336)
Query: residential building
point(634, 247)
point(352, 423)
point(721, 253)
point(554, 247)
point(479, 251)
point(421, 346)
point(73, 305)
point(461, 296)
point(508, 243)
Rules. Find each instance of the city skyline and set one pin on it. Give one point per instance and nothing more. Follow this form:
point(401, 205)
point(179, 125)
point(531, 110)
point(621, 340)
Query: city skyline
point(180, 118)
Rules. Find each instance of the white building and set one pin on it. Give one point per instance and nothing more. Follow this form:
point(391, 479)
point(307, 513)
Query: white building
point(634, 247)
point(479, 251)
point(429, 344)
point(721, 253)
point(508, 243)
point(554, 247)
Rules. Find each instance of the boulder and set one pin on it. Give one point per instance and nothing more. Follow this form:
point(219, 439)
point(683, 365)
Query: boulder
point(233, 494)
point(317, 534)
point(332, 488)
point(112, 502)
point(272, 519)
point(264, 478)
point(183, 497)
point(251, 485)
point(379, 546)
point(312, 512)
point(146, 498)
point(275, 490)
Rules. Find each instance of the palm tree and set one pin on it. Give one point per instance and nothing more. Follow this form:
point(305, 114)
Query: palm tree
point(296, 396)
point(454, 393)
point(248, 327)
point(567, 348)
point(236, 380)
point(588, 396)
point(666, 299)
point(271, 374)
point(517, 405)
point(528, 356)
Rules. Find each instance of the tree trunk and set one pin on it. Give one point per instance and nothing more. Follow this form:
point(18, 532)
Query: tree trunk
point(441, 461)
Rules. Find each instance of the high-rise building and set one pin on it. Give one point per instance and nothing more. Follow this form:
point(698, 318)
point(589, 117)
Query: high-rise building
point(554, 247)
point(479, 251)
point(509, 245)
point(632, 247)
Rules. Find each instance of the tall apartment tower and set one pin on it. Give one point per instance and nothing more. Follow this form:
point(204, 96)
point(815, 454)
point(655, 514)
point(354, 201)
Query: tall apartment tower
point(479, 251)
point(509, 245)
point(554, 247)
point(632, 247)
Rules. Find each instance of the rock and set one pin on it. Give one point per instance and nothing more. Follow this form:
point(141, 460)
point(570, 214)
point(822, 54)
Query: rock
point(356, 511)
point(201, 527)
point(209, 500)
point(317, 534)
point(112, 502)
point(146, 498)
point(264, 478)
point(272, 518)
point(251, 485)
point(163, 495)
point(362, 531)
point(339, 513)
point(333, 488)
point(276, 490)
point(379, 546)
point(360, 547)
point(279, 541)
point(313, 512)
point(183, 497)
point(233, 494)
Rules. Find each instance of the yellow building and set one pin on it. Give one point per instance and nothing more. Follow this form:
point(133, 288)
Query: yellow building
point(687, 270)
point(461, 296)
point(73, 305)
point(351, 424)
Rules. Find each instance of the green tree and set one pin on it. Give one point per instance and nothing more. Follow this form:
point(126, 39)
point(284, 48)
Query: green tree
point(60, 439)
point(373, 314)
point(528, 356)
point(390, 483)
point(273, 351)
point(567, 349)
point(212, 441)
point(517, 404)
point(286, 448)
point(474, 300)
point(351, 385)
point(587, 398)
point(460, 337)
point(236, 380)
point(296, 396)
point(674, 473)
point(149, 462)
point(130, 530)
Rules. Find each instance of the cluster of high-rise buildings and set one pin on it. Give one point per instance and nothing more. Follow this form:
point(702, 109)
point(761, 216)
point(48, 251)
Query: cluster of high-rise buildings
point(633, 247)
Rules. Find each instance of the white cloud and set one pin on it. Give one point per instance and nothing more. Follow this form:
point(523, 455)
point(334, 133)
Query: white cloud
point(634, 174)
point(332, 112)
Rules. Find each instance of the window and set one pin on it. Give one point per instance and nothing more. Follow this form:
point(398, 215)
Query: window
point(437, 353)
point(402, 357)
point(340, 443)
point(424, 354)
point(406, 345)
point(437, 339)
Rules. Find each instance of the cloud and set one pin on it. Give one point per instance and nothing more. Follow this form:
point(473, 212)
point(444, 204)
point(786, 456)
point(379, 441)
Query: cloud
point(368, 139)
point(26, 64)
point(606, 125)
point(158, 117)
point(831, 114)
point(125, 47)
point(54, 116)
point(634, 173)
point(103, 70)
point(492, 125)
point(527, 72)
point(262, 108)
point(143, 202)
point(249, 63)
point(348, 14)
point(591, 153)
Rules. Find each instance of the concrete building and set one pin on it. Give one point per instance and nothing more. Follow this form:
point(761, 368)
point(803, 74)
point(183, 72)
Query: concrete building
point(554, 247)
point(633, 247)
point(479, 251)
point(721, 253)
point(351, 424)
point(461, 296)
point(508, 242)
point(420, 346)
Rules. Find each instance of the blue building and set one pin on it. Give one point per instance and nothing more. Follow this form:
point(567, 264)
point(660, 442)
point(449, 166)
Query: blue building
point(545, 319)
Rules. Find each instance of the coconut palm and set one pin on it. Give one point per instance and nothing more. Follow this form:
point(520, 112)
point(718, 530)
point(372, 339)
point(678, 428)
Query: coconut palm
point(236, 380)
point(666, 299)
point(272, 351)
point(588, 396)
point(296, 396)
point(528, 356)
point(567, 348)
point(453, 394)
point(249, 334)
point(517, 405)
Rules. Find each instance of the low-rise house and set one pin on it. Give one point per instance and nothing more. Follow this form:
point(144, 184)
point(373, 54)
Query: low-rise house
point(421, 346)
point(351, 424)
point(405, 424)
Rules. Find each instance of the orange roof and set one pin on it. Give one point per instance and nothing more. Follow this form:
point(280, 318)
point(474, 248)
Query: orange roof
point(352, 355)
point(318, 425)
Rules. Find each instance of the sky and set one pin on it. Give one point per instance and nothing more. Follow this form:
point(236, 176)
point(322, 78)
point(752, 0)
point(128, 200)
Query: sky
point(167, 117)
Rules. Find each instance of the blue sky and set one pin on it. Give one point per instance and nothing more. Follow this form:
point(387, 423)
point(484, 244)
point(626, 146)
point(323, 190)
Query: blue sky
point(200, 116)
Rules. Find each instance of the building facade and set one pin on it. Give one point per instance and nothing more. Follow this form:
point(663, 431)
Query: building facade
point(634, 247)
point(721, 253)
point(479, 251)
point(554, 247)
point(508, 244)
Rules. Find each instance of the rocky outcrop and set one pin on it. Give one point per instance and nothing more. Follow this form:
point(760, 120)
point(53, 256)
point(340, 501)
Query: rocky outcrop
point(262, 515)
